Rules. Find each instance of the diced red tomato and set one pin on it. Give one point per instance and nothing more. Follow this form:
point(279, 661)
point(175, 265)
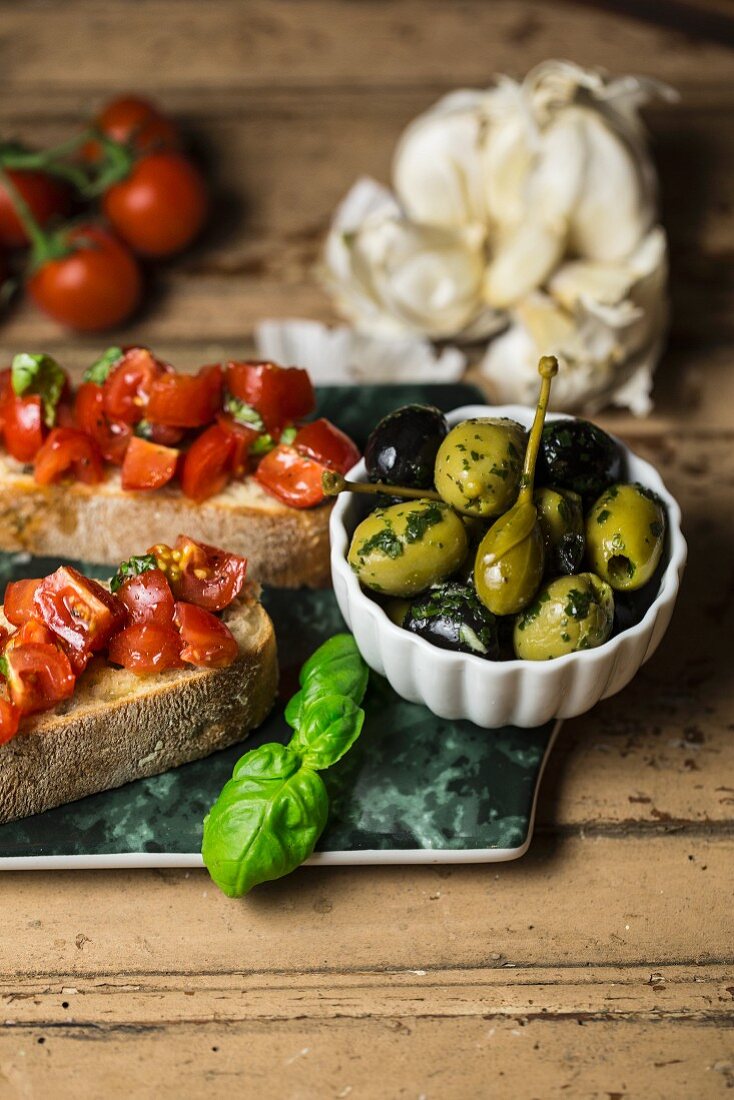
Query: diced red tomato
point(202, 574)
point(146, 647)
point(186, 400)
point(148, 598)
point(164, 434)
point(327, 444)
point(38, 676)
point(148, 465)
point(291, 477)
point(32, 630)
point(111, 436)
point(127, 388)
point(78, 610)
point(23, 418)
point(208, 643)
point(68, 451)
point(19, 601)
point(242, 438)
point(206, 467)
point(9, 720)
point(280, 394)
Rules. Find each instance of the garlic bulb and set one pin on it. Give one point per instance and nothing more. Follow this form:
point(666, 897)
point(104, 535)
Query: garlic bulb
point(391, 276)
point(604, 321)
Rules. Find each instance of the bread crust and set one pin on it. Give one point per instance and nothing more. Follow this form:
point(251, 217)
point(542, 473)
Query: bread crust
point(118, 727)
point(285, 547)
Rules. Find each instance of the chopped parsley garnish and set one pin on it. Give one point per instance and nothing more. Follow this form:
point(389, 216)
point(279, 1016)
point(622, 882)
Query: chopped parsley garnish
point(578, 603)
point(133, 567)
point(385, 541)
point(603, 515)
point(242, 412)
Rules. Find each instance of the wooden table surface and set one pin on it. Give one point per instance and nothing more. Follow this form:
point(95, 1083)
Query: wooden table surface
point(600, 965)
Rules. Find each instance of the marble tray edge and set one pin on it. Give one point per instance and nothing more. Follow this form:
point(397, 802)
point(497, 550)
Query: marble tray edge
point(366, 857)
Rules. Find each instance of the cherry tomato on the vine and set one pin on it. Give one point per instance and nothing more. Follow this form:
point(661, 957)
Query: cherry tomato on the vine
point(160, 207)
point(46, 198)
point(95, 286)
point(135, 121)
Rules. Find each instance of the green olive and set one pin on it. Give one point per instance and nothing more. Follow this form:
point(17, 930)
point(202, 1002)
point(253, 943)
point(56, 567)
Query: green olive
point(403, 549)
point(397, 610)
point(568, 614)
point(478, 466)
point(625, 535)
point(561, 519)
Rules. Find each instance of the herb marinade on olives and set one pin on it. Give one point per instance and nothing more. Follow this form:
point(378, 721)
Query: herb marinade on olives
point(510, 544)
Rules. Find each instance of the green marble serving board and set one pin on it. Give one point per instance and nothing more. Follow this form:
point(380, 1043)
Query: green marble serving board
point(415, 788)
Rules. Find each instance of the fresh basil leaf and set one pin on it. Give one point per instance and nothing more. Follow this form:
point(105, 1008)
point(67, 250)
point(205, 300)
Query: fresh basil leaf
point(100, 369)
point(328, 728)
point(4, 666)
point(41, 375)
point(288, 435)
point(140, 563)
point(265, 822)
point(292, 713)
point(262, 444)
point(336, 668)
point(242, 412)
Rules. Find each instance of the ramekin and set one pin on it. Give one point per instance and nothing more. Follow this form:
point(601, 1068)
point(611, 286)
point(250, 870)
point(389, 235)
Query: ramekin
point(500, 693)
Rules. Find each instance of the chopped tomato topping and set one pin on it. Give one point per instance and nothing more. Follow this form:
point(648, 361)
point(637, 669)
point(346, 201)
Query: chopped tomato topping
point(280, 394)
point(207, 642)
point(127, 388)
point(32, 630)
point(186, 400)
point(78, 610)
point(67, 450)
point(23, 417)
point(321, 440)
point(242, 439)
point(201, 574)
point(291, 477)
point(19, 601)
point(9, 720)
point(147, 647)
point(38, 676)
point(148, 465)
point(206, 467)
point(111, 436)
point(147, 598)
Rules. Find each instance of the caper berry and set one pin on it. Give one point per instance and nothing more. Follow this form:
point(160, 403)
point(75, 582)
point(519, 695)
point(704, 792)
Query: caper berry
point(403, 549)
point(567, 615)
point(478, 466)
point(625, 536)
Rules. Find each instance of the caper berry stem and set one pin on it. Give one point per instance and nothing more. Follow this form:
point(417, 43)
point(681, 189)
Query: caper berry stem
point(547, 369)
point(334, 483)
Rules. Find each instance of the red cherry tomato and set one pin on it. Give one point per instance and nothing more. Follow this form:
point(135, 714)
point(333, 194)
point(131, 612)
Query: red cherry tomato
point(32, 630)
point(96, 286)
point(208, 643)
point(146, 647)
point(161, 207)
point(39, 676)
point(201, 574)
point(242, 439)
point(207, 465)
point(148, 465)
point(186, 400)
point(46, 197)
point(19, 601)
point(147, 598)
point(111, 436)
point(9, 720)
point(78, 610)
point(126, 390)
point(280, 394)
point(135, 121)
point(67, 450)
point(23, 426)
point(327, 444)
point(291, 477)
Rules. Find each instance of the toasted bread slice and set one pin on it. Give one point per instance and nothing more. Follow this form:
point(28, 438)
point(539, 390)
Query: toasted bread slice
point(118, 726)
point(285, 547)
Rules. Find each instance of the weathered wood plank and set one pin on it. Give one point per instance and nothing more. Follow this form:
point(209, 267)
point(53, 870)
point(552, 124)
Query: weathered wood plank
point(371, 1059)
point(648, 900)
point(695, 994)
point(182, 43)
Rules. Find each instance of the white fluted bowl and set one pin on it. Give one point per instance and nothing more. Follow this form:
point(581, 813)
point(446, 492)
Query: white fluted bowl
point(489, 693)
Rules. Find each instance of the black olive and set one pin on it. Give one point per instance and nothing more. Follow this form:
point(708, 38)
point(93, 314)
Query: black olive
point(402, 449)
point(575, 454)
point(568, 554)
point(452, 616)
